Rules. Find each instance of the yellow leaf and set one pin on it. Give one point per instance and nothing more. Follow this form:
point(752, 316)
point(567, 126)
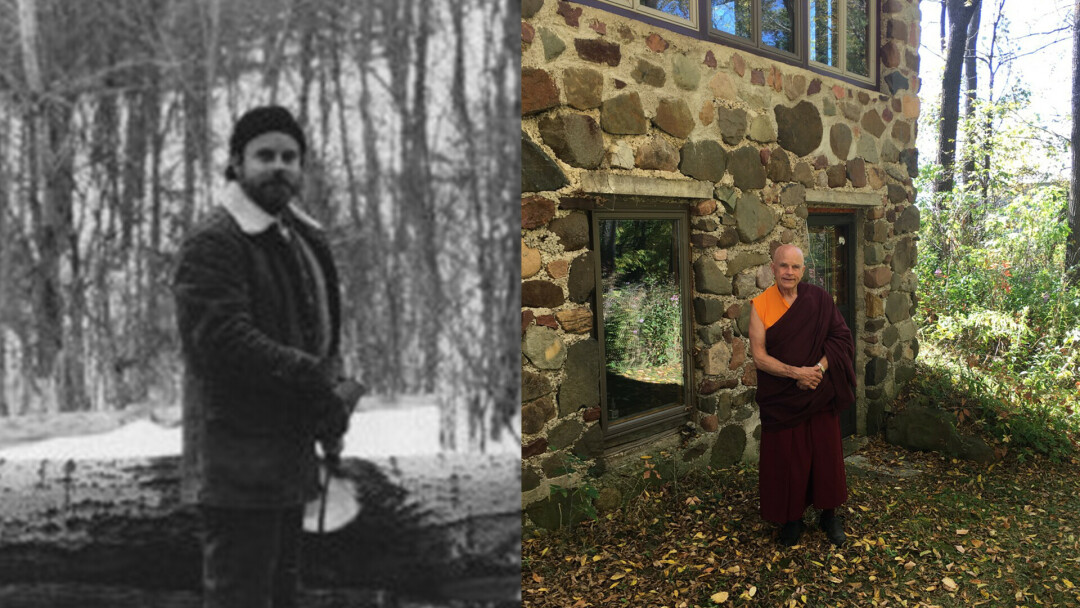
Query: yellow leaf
point(949, 584)
point(752, 591)
point(817, 563)
point(836, 579)
point(961, 532)
point(616, 577)
point(1068, 583)
point(719, 598)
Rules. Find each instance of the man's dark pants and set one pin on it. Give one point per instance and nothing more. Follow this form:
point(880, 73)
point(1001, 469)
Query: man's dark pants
point(251, 557)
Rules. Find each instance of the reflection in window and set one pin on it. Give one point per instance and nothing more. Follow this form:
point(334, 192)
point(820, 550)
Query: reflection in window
point(732, 17)
point(824, 28)
point(642, 316)
point(858, 36)
point(778, 24)
point(825, 261)
point(675, 8)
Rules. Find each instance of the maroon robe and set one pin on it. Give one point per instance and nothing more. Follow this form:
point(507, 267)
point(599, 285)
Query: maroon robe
point(802, 459)
point(812, 327)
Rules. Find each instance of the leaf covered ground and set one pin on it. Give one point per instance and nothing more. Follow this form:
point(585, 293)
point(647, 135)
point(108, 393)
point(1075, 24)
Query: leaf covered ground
point(957, 534)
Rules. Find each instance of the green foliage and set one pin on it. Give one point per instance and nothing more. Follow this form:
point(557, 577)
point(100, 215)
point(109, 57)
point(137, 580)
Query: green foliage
point(1025, 418)
point(642, 325)
point(994, 303)
point(581, 495)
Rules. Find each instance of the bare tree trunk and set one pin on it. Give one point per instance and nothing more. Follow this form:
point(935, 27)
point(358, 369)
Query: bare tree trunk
point(959, 17)
point(429, 284)
point(971, 95)
point(213, 44)
point(988, 119)
point(59, 193)
point(378, 332)
point(401, 296)
point(47, 266)
point(6, 239)
point(1072, 249)
point(507, 396)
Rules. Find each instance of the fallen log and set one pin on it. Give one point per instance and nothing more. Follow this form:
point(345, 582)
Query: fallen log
point(430, 526)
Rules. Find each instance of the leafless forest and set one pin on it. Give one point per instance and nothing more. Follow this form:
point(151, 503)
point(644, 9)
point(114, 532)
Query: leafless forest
point(114, 120)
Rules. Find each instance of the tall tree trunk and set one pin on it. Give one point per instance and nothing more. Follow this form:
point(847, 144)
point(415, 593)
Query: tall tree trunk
point(1072, 249)
point(59, 199)
point(472, 369)
point(959, 17)
point(6, 286)
point(971, 95)
point(377, 330)
point(506, 371)
point(429, 283)
point(992, 66)
point(401, 297)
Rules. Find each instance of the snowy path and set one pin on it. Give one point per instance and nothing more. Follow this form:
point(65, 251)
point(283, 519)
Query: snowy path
point(406, 431)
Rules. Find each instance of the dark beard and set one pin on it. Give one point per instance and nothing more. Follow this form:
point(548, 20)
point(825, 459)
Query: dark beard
point(271, 195)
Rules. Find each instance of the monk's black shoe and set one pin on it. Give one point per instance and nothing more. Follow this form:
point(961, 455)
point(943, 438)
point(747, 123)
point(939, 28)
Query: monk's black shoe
point(791, 532)
point(834, 529)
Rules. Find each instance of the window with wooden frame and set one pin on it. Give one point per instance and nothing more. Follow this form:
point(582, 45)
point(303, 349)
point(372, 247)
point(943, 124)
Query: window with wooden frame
point(837, 37)
point(642, 273)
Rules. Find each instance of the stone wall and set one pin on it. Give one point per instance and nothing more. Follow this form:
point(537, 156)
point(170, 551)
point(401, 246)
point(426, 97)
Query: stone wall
point(615, 108)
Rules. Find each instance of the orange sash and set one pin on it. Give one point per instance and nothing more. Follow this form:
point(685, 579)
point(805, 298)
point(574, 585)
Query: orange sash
point(770, 306)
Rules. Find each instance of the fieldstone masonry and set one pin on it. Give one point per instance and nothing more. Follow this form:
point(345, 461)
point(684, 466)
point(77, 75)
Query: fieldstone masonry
point(616, 109)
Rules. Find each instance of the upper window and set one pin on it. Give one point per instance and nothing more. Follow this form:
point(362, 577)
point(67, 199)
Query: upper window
point(681, 12)
point(837, 35)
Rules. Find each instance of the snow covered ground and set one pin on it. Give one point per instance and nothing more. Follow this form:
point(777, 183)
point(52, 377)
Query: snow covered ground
point(406, 431)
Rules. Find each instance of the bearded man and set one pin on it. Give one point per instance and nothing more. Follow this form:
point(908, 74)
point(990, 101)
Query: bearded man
point(804, 354)
point(258, 311)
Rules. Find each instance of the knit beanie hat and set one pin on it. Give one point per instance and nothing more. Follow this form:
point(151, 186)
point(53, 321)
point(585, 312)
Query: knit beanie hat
point(258, 121)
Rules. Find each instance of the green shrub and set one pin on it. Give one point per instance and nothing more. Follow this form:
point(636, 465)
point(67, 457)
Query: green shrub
point(642, 326)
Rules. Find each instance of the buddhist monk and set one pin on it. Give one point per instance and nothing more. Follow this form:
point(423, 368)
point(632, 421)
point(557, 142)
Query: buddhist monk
point(804, 355)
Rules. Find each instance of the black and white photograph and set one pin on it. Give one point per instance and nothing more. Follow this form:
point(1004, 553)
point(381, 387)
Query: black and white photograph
point(260, 304)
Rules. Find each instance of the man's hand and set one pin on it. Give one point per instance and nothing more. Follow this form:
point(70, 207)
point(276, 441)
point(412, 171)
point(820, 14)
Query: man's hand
point(810, 376)
point(349, 393)
point(335, 421)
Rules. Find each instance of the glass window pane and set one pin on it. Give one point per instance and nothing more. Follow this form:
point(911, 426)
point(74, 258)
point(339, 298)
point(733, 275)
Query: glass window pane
point(778, 24)
point(643, 319)
point(732, 17)
point(858, 37)
point(675, 8)
point(824, 32)
point(826, 264)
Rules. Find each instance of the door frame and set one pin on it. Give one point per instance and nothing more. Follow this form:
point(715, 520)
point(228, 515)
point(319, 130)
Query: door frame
point(847, 219)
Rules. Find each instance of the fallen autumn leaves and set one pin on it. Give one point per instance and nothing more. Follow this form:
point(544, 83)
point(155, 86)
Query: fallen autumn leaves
point(959, 534)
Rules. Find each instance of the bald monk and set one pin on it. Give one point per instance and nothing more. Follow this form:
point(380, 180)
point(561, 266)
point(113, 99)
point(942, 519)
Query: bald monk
point(804, 355)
